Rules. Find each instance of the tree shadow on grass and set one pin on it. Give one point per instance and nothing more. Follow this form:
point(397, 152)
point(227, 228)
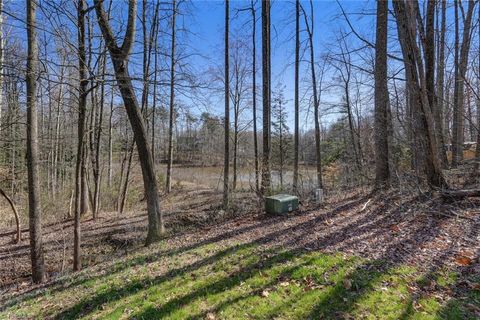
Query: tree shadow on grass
point(336, 294)
point(115, 293)
point(64, 283)
point(336, 301)
point(465, 300)
point(394, 256)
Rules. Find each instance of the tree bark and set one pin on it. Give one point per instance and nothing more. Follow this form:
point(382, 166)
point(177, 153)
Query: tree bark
point(382, 170)
point(119, 57)
point(266, 91)
point(82, 107)
point(226, 160)
point(461, 69)
point(297, 100)
point(34, 208)
point(172, 106)
point(155, 76)
point(416, 86)
point(110, 141)
point(440, 105)
point(18, 233)
point(254, 95)
point(316, 104)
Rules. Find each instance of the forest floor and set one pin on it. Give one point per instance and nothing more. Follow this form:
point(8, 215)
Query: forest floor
point(386, 256)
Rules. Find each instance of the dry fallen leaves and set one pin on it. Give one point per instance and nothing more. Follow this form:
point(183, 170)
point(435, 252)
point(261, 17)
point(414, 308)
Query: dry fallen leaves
point(395, 228)
point(463, 260)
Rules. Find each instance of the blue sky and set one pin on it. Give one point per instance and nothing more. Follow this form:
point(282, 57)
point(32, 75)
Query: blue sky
point(205, 21)
point(208, 25)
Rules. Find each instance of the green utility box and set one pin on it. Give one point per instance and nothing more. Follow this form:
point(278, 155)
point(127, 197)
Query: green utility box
point(281, 203)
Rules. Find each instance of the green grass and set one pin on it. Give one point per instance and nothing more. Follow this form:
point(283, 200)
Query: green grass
point(245, 281)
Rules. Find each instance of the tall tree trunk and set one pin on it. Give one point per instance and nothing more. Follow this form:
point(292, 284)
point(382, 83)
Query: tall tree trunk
point(80, 163)
point(382, 170)
point(34, 208)
point(316, 104)
point(440, 105)
point(57, 130)
point(226, 160)
point(254, 95)
point(236, 114)
point(110, 141)
point(297, 100)
point(461, 69)
point(416, 86)
point(475, 170)
point(155, 76)
point(457, 126)
point(119, 57)
point(266, 94)
point(172, 103)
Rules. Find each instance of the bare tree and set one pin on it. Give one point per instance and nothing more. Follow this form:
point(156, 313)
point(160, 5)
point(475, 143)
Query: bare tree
point(155, 74)
point(416, 86)
point(172, 100)
point(316, 104)
point(119, 57)
point(226, 161)
point(440, 105)
point(461, 69)
point(266, 91)
point(34, 208)
point(254, 94)
point(82, 109)
point(297, 100)
point(382, 171)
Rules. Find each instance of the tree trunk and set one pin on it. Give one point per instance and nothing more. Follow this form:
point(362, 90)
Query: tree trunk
point(172, 106)
point(461, 69)
point(155, 76)
point(119, 56)
point(18, 233)
point(316, 104)
point(80, 163)
point(226, 160)
point(297, 100)
point(382, 171)
point(34, 207)
point(439, 106)
point(110, 142)
point(417, 86)
point(266, 91)
point(254, 96)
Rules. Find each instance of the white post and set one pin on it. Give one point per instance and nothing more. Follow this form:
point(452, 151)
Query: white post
point(319, 196)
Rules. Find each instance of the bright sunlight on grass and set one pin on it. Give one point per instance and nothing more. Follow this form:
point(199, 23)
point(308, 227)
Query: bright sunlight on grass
point(243, 281)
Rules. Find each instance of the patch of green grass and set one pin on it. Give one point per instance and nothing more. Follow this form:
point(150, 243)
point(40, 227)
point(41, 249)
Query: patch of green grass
point(245, 281)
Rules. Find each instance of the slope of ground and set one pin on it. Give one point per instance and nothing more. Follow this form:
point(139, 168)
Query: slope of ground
point(389, 257)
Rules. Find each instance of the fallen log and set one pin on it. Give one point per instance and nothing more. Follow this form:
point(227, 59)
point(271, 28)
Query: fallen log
point(461, 193)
